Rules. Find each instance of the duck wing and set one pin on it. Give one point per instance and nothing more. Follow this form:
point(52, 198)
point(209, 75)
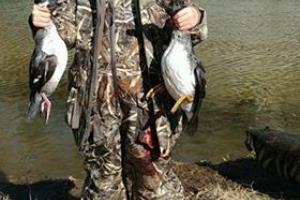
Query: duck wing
point(200, 90)
point(42, 71)
point(42, 68)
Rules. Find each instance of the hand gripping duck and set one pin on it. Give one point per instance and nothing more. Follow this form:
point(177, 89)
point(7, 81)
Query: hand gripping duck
point(183, 74)
point(48, 62)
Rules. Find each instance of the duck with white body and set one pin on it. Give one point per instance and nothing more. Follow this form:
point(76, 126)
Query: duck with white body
point(182, 72)
point(47, 65)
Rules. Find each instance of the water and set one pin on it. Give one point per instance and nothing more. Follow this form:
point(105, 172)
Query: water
point(252, 59)
point(253, 68)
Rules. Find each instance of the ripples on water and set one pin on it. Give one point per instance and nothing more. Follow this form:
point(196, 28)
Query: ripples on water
point(252, 60)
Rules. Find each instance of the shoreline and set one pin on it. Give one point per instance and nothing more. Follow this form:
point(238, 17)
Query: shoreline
point(231, 180)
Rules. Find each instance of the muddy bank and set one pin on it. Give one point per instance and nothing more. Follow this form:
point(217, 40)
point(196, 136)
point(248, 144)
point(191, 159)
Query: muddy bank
point(241, 179)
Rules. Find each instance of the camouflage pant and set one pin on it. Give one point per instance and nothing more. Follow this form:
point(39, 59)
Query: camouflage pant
point(118, 157)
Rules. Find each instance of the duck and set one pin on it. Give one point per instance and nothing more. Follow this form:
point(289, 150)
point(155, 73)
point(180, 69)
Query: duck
point(47, 65)
point(183, 73)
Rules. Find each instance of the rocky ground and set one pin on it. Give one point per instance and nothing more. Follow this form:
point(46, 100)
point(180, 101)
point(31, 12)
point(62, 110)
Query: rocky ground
point(241, 179)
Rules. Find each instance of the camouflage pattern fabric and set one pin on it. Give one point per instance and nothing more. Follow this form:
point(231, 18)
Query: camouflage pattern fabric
point(117, 151)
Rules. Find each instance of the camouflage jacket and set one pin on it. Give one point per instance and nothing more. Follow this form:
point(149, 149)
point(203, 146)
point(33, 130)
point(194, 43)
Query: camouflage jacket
point(75, 23)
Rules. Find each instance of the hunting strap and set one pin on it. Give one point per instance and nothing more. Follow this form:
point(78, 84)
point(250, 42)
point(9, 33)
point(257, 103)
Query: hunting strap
point(155, 152)
point(97, 47)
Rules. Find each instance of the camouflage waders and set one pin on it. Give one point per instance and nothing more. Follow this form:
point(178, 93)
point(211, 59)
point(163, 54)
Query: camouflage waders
point(117, 150)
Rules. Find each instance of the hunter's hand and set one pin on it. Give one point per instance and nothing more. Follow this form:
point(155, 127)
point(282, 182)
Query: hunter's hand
point(187, 18)
point(41, 16)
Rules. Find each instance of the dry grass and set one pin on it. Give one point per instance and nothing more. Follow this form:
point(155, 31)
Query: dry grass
point(203, 183)
point(237, 193)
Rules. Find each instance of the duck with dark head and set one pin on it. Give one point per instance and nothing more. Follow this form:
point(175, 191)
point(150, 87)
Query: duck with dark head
point(183, 73)
point(47, 65)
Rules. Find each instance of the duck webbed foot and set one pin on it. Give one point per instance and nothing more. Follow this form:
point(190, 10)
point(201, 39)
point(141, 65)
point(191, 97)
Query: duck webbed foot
point(46, 107)
point(155, 90)
point(182, 99)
